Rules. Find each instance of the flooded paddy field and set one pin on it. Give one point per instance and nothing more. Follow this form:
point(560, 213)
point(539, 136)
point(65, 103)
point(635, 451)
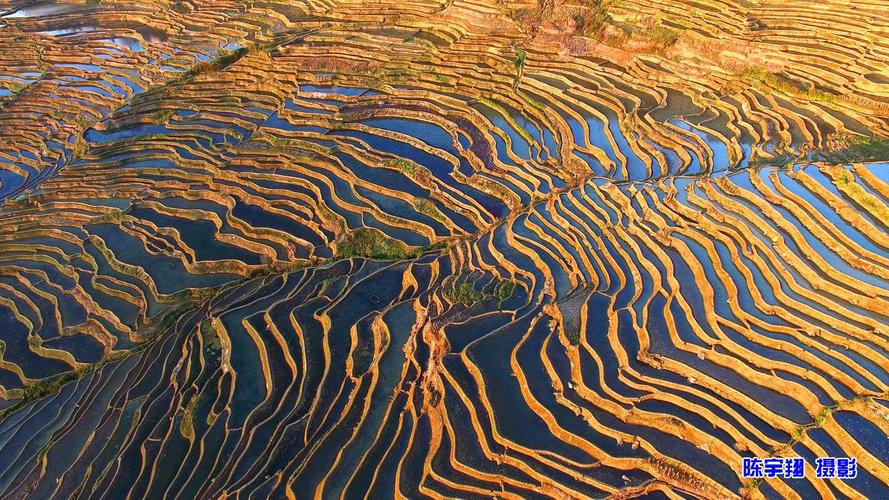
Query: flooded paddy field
point(442, 249)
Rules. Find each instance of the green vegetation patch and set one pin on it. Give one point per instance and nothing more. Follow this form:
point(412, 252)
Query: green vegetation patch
point(403, 165)
point(852, 149)
point(862, 148)
point(52, 385)
point(428, 208)
point(173, 316)
point(593, 18)
point(162, 117)
point(186, 425)
point(226, 58)
point(505, 290)
point(764, 78)
point(520, 56)
point(846, 182)
point(465, 294)
point(209, 337)
point(366, 242)
point(437, 246)
point(662, 35)
point(114, 216)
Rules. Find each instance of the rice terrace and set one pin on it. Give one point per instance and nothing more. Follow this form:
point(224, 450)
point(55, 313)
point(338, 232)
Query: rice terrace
point(444, 249)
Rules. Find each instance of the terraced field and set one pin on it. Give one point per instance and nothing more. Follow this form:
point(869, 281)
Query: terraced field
point(427, 248)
